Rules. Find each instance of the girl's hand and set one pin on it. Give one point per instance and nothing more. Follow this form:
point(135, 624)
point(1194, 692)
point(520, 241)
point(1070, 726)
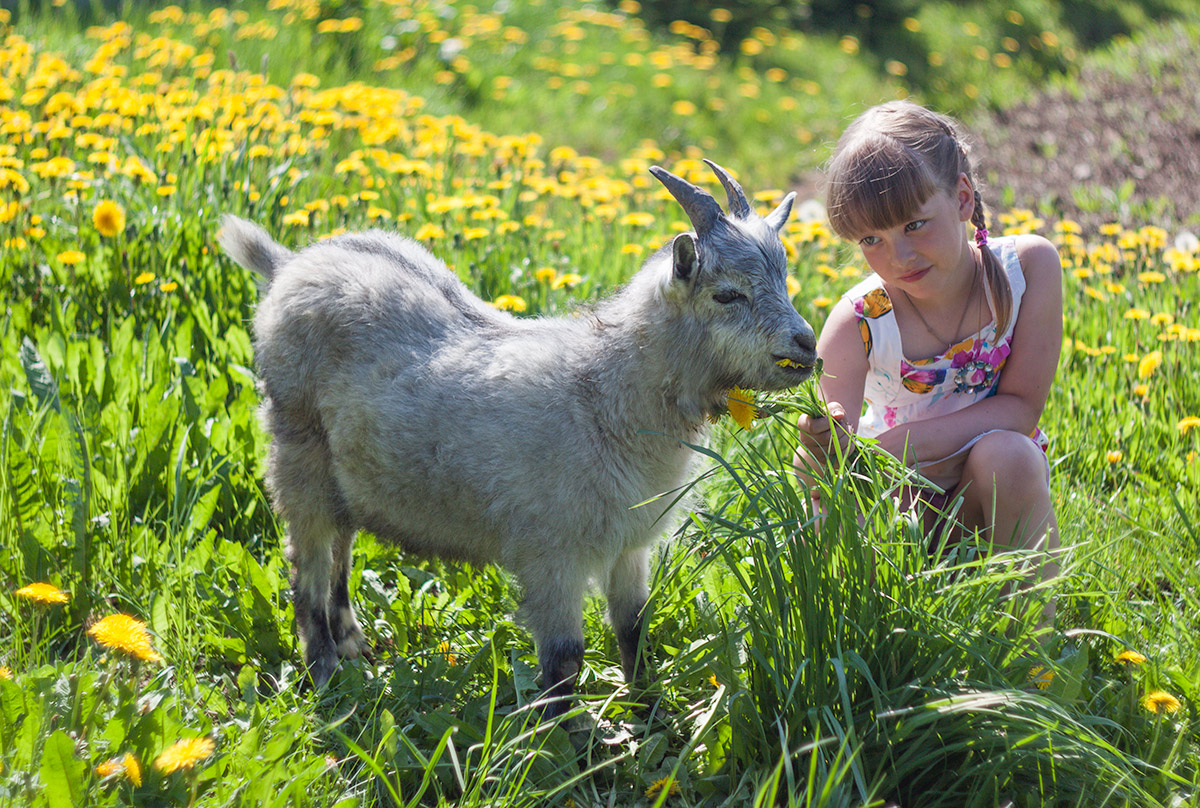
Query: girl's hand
point(818, 433)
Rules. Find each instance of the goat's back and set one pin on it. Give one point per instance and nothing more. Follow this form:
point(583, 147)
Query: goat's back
point(451, 426)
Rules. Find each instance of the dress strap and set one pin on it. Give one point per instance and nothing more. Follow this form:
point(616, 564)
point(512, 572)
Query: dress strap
point(1005, 248)
point(876, 322)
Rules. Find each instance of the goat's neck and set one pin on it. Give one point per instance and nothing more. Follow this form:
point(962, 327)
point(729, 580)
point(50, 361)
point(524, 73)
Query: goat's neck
point(664, 374)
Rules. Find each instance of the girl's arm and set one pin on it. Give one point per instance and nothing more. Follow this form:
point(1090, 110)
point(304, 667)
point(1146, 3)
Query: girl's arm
point(1027, 375)
point(844, 372)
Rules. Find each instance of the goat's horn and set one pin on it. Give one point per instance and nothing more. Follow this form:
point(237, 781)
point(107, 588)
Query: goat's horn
point(697, 203)
point(738, 205)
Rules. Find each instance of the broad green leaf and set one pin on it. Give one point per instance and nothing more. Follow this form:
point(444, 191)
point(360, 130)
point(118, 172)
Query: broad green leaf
point(62, 773)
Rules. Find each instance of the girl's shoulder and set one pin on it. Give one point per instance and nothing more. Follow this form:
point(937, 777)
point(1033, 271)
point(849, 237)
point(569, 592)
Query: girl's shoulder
point(1035, 254)
point(1038, 267)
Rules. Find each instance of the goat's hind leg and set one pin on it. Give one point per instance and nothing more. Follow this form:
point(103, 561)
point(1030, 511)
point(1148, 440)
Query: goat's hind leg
point(303, 488)
point(343, 625)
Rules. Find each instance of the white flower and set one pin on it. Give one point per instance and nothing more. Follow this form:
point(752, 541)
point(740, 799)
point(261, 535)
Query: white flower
point(811, 210)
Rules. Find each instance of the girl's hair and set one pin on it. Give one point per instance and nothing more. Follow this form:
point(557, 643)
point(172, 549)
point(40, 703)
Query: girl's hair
point(888, 163)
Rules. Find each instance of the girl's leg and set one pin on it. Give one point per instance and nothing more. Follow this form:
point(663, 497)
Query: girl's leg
point(1006, 492)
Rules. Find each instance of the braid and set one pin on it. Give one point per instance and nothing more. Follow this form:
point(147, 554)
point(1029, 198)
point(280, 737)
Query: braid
point(993, 272)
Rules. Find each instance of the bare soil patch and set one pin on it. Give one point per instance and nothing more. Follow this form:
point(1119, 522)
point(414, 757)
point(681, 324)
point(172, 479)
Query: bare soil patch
point(1122, 145)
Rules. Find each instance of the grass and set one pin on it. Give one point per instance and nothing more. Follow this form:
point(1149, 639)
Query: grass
point(800, 661)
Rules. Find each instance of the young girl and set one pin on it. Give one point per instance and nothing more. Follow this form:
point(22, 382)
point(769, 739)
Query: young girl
point(953, 342)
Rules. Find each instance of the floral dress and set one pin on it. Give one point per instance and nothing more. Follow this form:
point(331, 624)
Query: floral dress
point(899, 390)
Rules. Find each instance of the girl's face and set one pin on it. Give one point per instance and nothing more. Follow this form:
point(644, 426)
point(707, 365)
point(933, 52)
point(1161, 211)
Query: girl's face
point(926, 253)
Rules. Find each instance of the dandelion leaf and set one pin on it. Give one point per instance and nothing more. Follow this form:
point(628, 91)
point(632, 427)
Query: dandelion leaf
point(62, 773)
point(41, 382)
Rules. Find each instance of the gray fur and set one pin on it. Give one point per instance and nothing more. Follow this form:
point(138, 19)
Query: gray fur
point(400, 403)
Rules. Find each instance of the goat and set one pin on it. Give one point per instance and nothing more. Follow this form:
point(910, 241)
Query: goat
point(401, 403)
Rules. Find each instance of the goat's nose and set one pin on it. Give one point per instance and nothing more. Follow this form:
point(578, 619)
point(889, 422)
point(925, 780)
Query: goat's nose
point(805, 339)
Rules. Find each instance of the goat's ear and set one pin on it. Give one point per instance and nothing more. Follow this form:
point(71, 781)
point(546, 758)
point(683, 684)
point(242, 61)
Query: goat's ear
point(778, 217)
point(684, 257)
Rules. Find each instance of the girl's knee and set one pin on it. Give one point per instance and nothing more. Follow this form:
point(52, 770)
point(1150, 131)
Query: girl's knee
point(1008, 459)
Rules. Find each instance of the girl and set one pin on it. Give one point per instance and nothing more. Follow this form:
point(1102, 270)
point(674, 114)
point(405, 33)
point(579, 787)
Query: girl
point(952, 343)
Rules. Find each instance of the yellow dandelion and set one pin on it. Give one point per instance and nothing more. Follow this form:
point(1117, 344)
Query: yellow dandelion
point(126, 765)
point(510, 303)
point(169, 286)
point(184, 754)
point(664, 784)
point(429, 231)
point(1041, 677)
point(121, 632)
point(43, 593)
point(1136, 314)
point(1114, 456)
point(1130, 658)
point(568, 280)
point(741, 407)
point(1187, 424)
point(1160, 701)
point(1150, 363)
point(1141, 390)
point(545, 274)
point(109, 218)
point(71, 257)
point(444, 650)
point(637, 219)
point(5, 672)
point(144, 278)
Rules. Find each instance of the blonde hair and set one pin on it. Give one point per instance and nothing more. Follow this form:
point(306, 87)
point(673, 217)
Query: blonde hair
point(888, 163)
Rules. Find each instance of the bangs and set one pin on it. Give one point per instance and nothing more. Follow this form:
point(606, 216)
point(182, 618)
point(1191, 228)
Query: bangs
point(876, 184)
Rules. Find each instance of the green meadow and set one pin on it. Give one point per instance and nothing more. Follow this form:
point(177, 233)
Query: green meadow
point(147, 650)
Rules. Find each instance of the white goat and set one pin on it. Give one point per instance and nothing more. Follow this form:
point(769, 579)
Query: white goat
point(401, 403)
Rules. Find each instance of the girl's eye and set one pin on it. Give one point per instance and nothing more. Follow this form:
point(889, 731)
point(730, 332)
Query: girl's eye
point(726, 296)
point(917, 225)
point(868, 241)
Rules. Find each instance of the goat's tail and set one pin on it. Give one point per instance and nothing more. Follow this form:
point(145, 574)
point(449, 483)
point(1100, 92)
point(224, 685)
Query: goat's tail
point(251, 246)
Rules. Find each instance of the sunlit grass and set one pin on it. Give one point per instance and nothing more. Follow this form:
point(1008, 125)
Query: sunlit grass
point(831, 660)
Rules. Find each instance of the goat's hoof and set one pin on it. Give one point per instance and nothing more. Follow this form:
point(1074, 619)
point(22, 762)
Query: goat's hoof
point(321, 670)
point(353, 645)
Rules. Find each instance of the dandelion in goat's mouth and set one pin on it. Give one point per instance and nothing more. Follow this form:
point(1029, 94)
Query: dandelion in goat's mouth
point(43, 593)
point(121, 632)
point(741, 407)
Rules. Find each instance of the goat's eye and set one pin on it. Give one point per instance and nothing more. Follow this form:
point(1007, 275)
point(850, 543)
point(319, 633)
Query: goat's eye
point(726, 296)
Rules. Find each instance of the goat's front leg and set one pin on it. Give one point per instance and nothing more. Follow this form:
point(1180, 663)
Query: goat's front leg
point(553, 606)
point(627, 592)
